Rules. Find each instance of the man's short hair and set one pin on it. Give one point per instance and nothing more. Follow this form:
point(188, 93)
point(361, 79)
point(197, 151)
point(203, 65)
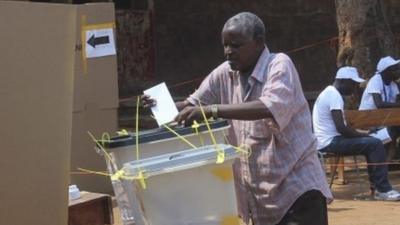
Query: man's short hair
point(249, 23)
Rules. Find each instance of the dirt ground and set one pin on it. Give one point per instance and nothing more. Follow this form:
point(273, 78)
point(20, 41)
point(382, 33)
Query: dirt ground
point(345, 210)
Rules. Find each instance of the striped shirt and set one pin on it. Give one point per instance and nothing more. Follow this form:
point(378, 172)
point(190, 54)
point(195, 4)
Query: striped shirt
point(284, 162)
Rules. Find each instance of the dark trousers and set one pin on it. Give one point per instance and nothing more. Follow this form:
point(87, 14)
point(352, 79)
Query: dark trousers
point(372, 149)
point(309, 209)
point(394, 132)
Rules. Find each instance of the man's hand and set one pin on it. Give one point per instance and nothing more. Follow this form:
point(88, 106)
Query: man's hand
point(147, 101)
point(190, 113)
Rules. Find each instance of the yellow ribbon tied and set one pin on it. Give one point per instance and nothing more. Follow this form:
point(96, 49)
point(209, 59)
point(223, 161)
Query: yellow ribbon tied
point(220, 152)
point(196, 126)
point(105, 137)
point(122, 132)
point(141, 179)
point(118, 175)
point(220, 155)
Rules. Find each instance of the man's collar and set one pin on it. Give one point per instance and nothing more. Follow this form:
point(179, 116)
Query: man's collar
point(259, 70)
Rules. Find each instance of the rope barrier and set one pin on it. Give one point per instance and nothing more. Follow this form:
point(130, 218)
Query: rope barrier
point(329, 40)
point(312, 45)
point(362, 164)
point(239, 149)
point(173, 86)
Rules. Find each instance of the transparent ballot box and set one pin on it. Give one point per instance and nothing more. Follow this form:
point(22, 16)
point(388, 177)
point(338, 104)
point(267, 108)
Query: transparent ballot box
point(182, 188)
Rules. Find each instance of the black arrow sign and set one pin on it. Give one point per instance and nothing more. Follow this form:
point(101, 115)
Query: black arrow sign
point(93, 41)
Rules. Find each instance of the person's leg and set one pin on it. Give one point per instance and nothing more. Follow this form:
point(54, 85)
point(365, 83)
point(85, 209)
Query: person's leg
point(373, 150)
point(309, 209)
point(394, 133)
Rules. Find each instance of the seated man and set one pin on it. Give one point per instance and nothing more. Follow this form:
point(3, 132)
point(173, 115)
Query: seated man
point(335, 136)
point(382, 91)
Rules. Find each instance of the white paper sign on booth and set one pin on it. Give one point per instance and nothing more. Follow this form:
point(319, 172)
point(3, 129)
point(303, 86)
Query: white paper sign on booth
point(100, 42)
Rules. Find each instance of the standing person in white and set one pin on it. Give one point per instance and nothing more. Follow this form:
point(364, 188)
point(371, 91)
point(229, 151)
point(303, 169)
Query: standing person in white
point(335, 136)
point(382, 91)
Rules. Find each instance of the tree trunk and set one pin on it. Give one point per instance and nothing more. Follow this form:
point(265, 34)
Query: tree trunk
point(364, 34)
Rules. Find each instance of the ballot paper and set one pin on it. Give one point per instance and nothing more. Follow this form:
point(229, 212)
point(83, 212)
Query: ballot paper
point(382, 135)
point(165, 110)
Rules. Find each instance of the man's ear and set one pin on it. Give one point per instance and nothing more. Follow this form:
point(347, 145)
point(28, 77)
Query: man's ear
point(260, 42)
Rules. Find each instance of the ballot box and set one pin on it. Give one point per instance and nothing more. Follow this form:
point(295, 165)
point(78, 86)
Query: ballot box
point(183, 188)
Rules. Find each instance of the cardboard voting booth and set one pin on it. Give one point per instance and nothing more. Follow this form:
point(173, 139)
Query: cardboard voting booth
point(58, 81)
point(95, 91)
point(37, 50)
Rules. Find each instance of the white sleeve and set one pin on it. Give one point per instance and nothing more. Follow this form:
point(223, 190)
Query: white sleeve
point(336, 102)
point(374, 85)
point(396, 89)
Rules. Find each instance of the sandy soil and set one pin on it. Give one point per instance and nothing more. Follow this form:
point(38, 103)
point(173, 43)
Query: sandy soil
point(345, 210)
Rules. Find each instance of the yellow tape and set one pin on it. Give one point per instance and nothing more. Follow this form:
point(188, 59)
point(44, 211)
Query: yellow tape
point(105, 137)
point(180, 137)
point(244, 149)
point(93, 172)
point(122, 132)
point(99, 26)
point(220, 155)
point(142, 181)
point(140, 176)
point(137, 128)
point(107, 155)
point(196, 126)
point(83, 43)
point(86, 173)
point(220, 152)
point(119, 175)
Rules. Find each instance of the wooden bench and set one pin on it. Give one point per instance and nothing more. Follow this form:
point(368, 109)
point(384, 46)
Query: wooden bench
point(91, 209)
point(364, 120)
point(373, 118)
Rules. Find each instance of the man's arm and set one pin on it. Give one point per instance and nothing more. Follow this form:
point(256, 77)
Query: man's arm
point(253, 110)
point(182, 104)
point(381, 104)
point(342, 128)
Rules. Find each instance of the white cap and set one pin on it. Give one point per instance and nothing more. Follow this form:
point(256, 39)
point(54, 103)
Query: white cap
point(349, 72)
point(386, 62)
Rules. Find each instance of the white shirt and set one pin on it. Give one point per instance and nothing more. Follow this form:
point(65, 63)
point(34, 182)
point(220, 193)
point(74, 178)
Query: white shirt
point(324, 126)
point(376, 85)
